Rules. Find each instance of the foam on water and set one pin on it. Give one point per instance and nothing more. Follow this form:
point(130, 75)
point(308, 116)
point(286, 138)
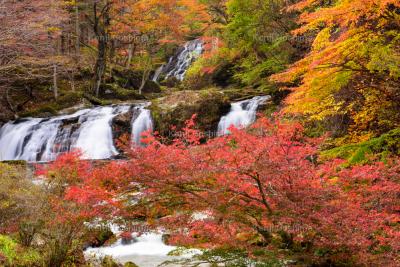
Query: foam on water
point(178, 65)
point(142, 123)
point(241, 115)
point(89, 130)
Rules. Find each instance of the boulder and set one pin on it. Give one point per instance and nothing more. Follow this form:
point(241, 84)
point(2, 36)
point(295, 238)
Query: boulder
point(109, 262)
point(176, 108)
point(98, 236)
point(131, 79)
point(114, 91)
point(122, 124)
point(170, 82)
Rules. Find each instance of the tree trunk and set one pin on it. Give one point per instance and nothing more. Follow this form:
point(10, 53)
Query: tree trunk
point(77, 31)
point(101, 23)
point(131, 50)
point(100, 65)
point(55, 86)
point(145, 76)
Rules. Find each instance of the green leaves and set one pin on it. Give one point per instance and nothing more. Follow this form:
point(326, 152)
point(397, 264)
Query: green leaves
point(259, 32)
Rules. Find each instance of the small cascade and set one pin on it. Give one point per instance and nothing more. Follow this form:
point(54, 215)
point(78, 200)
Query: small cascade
point(95, 134)
point(158, 73)
point(89, 130)
point(242, 114)
point(140, 124)
point(181, 61)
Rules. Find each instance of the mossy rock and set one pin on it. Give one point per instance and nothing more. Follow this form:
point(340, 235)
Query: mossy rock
point(176, 108)
point(114, 91)
point(130, 264)
point(65, 100)
point(238, 94)
point(98, 236)
point(109, 262)
point(97, 101)
point(132, 79)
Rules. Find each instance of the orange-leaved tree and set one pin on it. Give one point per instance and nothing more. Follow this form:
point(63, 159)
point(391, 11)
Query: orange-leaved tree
point(351, 76)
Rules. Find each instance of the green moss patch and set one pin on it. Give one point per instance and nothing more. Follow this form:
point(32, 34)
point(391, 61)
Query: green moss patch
point(64, 101)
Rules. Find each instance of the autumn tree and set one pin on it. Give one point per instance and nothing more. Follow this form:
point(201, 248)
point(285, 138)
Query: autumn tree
point(28, 47)
point(145, 28)
point(349, 79)
point(258, 188)
point(255, 42)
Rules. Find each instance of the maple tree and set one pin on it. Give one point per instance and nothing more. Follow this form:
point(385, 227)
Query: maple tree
point(265, 188)
point(261, 187)
point(353, 63)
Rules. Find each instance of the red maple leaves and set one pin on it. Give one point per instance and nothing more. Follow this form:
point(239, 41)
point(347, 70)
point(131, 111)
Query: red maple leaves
point(247, 188)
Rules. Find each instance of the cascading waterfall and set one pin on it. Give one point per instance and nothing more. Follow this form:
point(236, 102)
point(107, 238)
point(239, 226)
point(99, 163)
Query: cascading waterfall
point(140, 124)
point(158, 73)
point(95, 134)
point(242, 114)
point(89, 130)
point(180, 63)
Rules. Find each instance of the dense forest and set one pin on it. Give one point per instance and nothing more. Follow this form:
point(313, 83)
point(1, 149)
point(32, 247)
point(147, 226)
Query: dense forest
point(199, 133)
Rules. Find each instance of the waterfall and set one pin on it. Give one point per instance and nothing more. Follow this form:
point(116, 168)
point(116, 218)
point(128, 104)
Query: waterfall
point(181, 61)
point(242, 114)
point(140, 124)
point(90, 130)
point(95, 134)
point(158, 73)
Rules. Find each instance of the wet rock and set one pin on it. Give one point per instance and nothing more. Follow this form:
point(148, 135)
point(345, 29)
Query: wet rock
point(114, 91)
point(171, 82)
point(127, 238)
point(98, 236)
point(176, 108)
point(165, 238)
point(122, 124)
point(130, 79)
point(109, 262)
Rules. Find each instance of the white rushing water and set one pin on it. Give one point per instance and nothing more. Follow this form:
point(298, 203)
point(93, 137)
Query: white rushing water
point(178, 65)
point(242, 114)
point(146, 250)
point(89, 130)
point(158, 73)
point(95, 138)
point(140, 124)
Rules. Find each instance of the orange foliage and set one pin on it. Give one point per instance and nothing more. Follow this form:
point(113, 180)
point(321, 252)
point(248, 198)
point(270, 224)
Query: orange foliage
point(354, 52)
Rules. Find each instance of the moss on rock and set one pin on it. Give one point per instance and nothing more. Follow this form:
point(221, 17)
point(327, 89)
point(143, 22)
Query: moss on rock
point(114, 91)
point(132, 79)
point(130, 264)
point(176, 108)
point(65, 100)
